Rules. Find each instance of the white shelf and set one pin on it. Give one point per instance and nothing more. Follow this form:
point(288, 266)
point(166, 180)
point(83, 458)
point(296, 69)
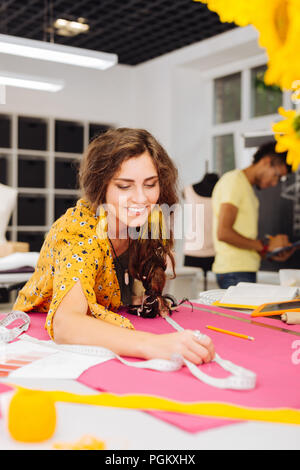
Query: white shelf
point(52, 196)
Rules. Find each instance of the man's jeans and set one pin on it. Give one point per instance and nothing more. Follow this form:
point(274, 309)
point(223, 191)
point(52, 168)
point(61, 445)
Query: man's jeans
point(231, 279)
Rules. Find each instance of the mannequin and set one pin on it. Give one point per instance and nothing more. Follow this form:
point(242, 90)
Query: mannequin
point(205, 187)
point(200, 193)
point(8, 198)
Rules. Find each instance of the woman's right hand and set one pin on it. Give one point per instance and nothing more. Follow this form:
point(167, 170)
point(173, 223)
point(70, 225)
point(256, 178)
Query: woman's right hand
point(183, 343)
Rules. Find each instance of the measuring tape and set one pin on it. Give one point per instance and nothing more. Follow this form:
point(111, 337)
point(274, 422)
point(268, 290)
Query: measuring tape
point(240, 378)
point(162, 365)
point(9, 334)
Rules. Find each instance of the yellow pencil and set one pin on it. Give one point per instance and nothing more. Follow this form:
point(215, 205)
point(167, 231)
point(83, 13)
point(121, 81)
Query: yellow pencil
point(232, 333)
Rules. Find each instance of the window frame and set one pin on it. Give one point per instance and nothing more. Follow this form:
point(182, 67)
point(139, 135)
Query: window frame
point(247, 123)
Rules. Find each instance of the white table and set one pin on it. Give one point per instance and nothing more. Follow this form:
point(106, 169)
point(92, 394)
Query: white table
point(123, 429)
point(9, 280)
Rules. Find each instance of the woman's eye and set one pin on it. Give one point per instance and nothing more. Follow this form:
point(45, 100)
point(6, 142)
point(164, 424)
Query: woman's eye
point(123, 187)
point(150, 185)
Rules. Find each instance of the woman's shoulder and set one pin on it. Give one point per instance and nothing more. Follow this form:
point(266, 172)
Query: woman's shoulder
point(77, 217)
point(79, 223)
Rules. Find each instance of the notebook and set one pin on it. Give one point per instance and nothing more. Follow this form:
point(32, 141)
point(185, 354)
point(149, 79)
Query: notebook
point(247, 295)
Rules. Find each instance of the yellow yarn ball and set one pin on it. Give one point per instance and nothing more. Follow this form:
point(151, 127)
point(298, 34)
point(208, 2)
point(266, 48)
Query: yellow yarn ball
point(31, 416)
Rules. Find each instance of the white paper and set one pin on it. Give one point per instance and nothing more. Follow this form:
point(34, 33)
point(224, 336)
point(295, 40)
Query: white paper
point(54, 365)
point(247, 293)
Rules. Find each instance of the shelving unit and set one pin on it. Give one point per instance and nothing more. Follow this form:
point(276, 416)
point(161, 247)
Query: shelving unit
point(40, 156)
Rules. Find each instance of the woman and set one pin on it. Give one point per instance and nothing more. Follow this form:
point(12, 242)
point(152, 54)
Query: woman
point(125, 175)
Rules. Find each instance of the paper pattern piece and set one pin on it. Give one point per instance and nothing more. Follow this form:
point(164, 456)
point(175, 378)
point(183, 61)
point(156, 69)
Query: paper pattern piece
point(31, 360)
point(250, 295)
point(14, 357)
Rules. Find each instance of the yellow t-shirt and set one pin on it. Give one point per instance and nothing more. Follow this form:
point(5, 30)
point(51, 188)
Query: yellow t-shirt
point(234, 188)
point(74, 252)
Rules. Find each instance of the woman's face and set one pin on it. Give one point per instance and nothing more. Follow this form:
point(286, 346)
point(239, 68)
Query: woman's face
point(131, 193)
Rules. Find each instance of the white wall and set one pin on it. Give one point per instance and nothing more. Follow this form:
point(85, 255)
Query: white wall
point(171, 96)
point(174, 97)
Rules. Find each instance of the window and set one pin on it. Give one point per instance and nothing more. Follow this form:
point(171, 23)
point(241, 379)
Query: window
point(227, 98)
point(265, 99)
point(223, 153)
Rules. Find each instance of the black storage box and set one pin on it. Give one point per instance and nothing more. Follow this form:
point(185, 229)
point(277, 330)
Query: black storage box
point(3, 170)
point(97, 129)
point(62, 203)
point(68, 137)
point(32, 133)
point(31, 210)
point(31, 172)
point(66, 171)
point(35, 239)
point(5, 131)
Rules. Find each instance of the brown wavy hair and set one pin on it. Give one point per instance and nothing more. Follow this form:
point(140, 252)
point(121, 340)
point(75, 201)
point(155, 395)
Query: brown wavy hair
point(102, 159)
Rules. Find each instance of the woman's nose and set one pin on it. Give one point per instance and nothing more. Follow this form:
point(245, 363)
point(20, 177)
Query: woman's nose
point(139, 195)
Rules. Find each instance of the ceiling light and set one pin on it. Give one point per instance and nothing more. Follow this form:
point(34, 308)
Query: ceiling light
point(32, 82)
point(56, 52)
point(70, 28)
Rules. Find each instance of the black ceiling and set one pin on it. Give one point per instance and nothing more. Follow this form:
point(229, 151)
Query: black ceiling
point(136, 30)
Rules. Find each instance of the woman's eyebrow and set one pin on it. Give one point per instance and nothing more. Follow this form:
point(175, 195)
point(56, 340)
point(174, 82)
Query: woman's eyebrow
point(132, 181)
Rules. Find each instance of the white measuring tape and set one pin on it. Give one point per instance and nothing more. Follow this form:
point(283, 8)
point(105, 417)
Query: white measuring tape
point(162, 365)
point(9, 334)
point(240, 378)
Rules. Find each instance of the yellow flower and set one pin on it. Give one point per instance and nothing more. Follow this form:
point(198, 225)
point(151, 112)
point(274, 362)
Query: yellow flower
point(239, 12)
point(287, 135)
point(284, 62)
point(278, 24)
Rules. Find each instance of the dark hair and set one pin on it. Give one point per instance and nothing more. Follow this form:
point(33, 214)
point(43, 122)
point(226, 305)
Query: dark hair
point(102, 159)
point(268, 150)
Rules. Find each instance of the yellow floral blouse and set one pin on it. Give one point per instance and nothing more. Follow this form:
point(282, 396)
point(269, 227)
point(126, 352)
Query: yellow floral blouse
point(73, 252)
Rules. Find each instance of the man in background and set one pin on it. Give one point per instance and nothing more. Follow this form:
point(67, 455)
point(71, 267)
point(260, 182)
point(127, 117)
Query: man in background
point(235, 218)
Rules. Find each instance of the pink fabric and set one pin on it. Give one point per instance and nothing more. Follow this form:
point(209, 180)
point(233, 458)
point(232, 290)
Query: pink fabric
point(4, 388)
point(36, 327)
point(270, 356)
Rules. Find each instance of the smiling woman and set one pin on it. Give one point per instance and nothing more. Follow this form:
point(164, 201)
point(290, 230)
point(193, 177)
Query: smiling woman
point(114, 240)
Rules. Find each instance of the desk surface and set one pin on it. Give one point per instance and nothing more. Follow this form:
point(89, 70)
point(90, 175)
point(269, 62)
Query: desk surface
point(121, 429)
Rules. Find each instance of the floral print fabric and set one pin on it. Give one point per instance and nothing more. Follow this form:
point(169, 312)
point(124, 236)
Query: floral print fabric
point(73, 252)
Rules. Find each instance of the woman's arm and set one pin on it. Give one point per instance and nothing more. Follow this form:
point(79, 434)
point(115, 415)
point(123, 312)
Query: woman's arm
point(227, 234)
point(72, 325)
